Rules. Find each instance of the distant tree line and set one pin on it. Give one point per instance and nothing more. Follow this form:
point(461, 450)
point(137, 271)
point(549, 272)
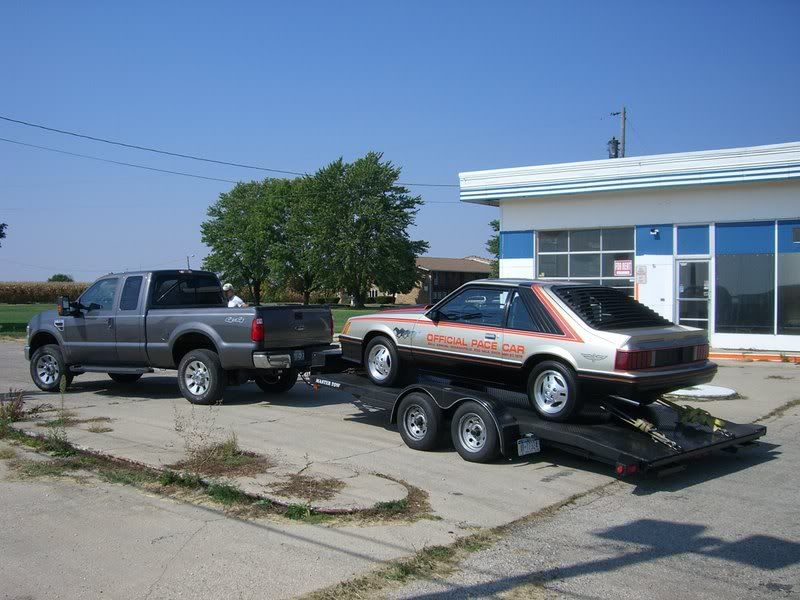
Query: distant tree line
point(343, 228)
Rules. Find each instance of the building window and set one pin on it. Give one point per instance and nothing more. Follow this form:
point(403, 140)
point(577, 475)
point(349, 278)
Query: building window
point(745, 278)
point(789, 277)
point(598, 256)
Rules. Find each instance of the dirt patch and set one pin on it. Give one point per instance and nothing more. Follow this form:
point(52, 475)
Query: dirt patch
point(68, 419)
point(307, 487)
point(99, 429)
point(780, 411)
point(224, 458)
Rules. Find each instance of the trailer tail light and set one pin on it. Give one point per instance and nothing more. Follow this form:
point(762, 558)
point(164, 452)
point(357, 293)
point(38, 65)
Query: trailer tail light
point(257, 329)
point(622, 470)
point(633, 361)
point(701, 352)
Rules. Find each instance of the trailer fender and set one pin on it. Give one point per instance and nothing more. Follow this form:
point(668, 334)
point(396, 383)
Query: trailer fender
point(450, 399)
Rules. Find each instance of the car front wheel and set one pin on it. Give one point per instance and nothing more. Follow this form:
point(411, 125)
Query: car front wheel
point(553, 391)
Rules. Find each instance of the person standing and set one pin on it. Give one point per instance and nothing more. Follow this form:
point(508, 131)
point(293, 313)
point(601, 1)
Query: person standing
point(233, 300)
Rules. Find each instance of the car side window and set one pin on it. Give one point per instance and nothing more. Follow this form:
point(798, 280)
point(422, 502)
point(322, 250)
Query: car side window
point(518, 315)
point(477, 306)
point(101, 294)
point(129, 299)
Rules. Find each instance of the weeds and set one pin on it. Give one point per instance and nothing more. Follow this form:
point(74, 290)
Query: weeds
point(224, 458)
point(308, 488)
point(172, 478)
point(12, 408)
point(226, 494)
point(7, 453)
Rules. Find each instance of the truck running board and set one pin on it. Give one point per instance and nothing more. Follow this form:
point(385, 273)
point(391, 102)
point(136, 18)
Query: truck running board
point(109, 369)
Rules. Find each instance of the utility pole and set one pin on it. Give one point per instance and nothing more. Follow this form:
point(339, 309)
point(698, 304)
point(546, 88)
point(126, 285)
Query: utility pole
point(623, 114)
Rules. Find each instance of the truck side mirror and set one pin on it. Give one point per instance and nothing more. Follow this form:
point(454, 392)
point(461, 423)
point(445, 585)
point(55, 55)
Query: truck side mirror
point(64, 306)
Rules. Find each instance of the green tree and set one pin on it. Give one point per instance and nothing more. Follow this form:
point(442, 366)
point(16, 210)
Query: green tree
point(367, 238)
point(61, 277)
point(493, 247)
point(3, 227)
point(244, 227)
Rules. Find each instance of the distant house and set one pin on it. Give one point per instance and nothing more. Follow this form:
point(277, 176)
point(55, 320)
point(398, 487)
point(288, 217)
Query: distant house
point(440, 276)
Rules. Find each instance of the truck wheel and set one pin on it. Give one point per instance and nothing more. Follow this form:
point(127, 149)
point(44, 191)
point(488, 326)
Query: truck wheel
point(200, 377)
point(381, 361)
point(419, 421)
point(125, 377)
point(277, 381)
point(553, 390)
point(48, 368)
point(474, 433)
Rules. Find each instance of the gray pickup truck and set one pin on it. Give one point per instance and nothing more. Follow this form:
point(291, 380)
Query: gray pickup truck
point(127, 324)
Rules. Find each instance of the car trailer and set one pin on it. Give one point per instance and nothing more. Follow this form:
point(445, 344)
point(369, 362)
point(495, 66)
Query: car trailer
point(485, 423)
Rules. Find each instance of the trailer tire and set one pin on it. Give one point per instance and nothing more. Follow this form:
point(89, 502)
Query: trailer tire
point(201, 378)
point(553, 390)
point(381, 361)
point(48, 369)
point(278, 382)
point(125, 377)
point(474, 433)
point(419, 421)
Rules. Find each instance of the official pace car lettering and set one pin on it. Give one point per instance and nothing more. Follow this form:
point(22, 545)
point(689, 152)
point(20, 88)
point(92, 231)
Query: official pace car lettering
point(446, 341)
point(476, 346)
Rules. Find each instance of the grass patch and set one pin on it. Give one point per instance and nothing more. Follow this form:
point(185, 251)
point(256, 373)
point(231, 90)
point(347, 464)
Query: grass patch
point(99, 429)
point(780, 411)
point(224, 458)
point(227, 494)
point(308, 488)
point(68, 419)
point(7, 453)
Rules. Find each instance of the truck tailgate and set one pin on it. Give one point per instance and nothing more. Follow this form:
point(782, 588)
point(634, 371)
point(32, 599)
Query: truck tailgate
point(295, 326)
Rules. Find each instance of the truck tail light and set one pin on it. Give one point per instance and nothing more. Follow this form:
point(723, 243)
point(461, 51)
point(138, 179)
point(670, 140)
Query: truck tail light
point(257, 329)
point(633, 361)
point(331, 327)
point(701, 352)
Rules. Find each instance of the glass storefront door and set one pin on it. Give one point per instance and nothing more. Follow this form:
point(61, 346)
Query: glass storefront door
point(692, 295)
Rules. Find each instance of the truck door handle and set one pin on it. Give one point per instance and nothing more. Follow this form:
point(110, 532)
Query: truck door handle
point(490, 336)
point(110, 322)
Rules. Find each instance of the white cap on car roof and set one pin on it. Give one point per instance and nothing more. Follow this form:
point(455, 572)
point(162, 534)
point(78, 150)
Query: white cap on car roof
point(227, 287)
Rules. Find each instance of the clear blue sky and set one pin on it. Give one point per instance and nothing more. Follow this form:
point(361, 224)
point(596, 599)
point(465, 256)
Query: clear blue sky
point(439, 87)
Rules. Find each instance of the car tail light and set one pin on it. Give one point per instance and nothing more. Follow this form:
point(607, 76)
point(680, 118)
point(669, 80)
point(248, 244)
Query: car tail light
point(257, 329)
point(633, 360)
point(346, 327)
point(701, 352)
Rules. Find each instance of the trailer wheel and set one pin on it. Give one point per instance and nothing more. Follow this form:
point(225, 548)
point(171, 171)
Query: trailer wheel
point(553, 390)
point(48, 369)
point(277, 381)
point(474, 433)
point(381, 361)
point(419, 421)
point(200, 377)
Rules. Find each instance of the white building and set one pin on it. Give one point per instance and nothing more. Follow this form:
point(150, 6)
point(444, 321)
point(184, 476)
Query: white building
point(708, 239)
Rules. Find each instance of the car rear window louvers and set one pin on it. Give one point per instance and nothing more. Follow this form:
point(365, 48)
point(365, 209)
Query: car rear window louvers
point(606, 308)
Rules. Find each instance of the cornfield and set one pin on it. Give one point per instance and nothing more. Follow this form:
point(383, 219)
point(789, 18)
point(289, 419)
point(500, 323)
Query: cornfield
point(22, 292)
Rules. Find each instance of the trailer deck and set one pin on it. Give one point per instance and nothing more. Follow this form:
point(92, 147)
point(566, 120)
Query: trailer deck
point(616, 432)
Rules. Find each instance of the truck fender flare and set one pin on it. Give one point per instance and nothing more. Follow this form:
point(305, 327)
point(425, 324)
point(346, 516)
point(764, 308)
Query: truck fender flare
point(505, 425)
point(195, 327)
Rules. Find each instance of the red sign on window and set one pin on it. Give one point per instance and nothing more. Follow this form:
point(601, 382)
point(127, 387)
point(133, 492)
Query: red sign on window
point(623, 268)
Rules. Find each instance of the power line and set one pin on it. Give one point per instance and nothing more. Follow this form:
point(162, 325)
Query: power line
point(179, 154)
point(116, 162)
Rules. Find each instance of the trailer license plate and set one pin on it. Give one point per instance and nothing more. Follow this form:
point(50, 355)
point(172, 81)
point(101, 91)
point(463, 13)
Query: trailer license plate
point(528, 445)
point(299, 355)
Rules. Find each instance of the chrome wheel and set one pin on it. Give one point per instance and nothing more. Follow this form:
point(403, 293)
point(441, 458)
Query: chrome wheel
point(415, 422)
point(550, 392)
point(472, 432)
point(197, 378)
point(47, 369)
point(379, 362)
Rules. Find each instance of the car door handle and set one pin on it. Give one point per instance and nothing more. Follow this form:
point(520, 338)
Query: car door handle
point(490, 336)
point(110, 322)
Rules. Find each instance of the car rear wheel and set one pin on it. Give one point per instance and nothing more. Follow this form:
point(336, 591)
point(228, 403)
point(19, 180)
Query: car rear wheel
point(125, 377)
point(419, 421)
point(474, 433)
point(553, 390)
point(277, 381)
point(48, 368)
point(381, 361)
point(200, 377)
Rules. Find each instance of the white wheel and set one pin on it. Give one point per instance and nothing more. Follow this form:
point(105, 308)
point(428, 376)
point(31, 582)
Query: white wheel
point(551, 392)
point(197, 378)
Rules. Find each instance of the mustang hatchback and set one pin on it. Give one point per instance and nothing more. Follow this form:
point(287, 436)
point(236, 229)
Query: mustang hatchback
point(561, 342)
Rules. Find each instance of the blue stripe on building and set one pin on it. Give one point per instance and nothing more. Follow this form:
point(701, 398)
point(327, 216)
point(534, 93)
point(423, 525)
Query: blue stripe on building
point(788, 236)
point(692, 239)
point(516, 244)
point(756, 237)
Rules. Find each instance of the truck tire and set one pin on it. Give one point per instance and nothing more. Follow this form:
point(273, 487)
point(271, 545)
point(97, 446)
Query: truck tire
point(278, 381)
point(553, 391)
point(474, 433)
point(48, 369)
point(381, 361)
point(125, 377)
point(200, 377)
point(419, 421)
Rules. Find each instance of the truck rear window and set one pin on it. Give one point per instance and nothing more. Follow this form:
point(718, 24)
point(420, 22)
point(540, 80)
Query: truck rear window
point(606, 308)
point(171, 290)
